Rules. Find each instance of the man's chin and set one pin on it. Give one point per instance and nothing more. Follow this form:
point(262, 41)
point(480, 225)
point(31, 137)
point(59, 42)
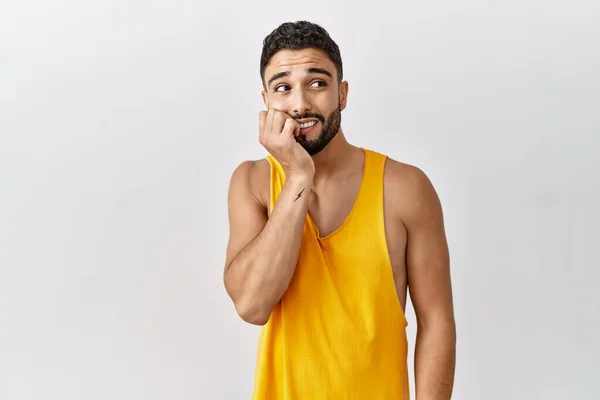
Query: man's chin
point(312, 148)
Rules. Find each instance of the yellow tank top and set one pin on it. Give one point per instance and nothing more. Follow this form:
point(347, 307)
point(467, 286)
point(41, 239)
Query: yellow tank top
point(339, 331)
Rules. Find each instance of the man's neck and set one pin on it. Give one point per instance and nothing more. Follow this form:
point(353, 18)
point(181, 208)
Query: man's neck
point(339, 155)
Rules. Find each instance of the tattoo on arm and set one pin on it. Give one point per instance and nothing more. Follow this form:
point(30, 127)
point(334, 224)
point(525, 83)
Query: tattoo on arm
point(299, 195)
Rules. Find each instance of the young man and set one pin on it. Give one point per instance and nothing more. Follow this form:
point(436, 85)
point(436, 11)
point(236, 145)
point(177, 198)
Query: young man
point(325, 239)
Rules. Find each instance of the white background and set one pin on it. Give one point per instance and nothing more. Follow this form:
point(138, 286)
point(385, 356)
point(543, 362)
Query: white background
point(121, 122)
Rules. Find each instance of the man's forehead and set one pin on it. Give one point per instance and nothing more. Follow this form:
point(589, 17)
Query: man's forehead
point(301, 59)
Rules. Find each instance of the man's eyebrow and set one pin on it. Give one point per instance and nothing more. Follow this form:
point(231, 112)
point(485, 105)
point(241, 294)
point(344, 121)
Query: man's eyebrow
point(312, 70)
point(277, 76)
point(315, 70)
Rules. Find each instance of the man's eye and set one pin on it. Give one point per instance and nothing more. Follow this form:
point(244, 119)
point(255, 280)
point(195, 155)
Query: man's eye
point(322, 83)
point(277, 89)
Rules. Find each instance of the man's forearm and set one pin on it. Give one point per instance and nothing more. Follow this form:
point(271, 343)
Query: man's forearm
point(258, 277)
point(435, 360)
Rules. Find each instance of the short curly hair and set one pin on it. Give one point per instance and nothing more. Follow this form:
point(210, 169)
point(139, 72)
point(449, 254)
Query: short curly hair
point(297, 36)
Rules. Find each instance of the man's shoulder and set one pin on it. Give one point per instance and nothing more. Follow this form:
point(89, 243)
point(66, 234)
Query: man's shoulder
point(403, 175)
point(398, 170)
point(253, 169)
point(408, 188)
point(255, 174)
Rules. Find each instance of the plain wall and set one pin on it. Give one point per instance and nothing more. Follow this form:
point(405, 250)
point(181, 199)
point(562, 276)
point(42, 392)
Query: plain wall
point(122, 121)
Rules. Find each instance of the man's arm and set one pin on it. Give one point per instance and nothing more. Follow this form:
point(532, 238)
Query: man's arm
point(430, 290)
point(262, 252)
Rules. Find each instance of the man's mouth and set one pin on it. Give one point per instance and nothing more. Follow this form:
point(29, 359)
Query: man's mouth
point(306, 127)
point(307, 124)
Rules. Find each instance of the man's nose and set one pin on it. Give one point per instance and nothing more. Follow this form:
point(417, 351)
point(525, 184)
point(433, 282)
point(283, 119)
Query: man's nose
point(301, 103)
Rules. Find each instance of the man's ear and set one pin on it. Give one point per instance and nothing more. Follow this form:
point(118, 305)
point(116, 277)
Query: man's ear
point(343, 94)
point(265, 99)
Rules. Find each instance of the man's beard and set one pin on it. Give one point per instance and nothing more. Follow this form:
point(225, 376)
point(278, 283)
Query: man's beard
point(330, 129)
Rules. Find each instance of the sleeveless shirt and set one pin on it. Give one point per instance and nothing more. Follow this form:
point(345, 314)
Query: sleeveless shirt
point(339, 331)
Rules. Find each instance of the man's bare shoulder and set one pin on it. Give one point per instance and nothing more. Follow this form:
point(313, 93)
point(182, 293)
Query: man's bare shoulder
point(409, 189)
point(404, 179)
point(255, 176)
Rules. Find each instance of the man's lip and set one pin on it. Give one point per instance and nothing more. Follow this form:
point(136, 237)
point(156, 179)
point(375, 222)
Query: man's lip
point(302, 121)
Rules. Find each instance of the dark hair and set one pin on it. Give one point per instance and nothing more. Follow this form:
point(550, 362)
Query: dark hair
point(297, 36)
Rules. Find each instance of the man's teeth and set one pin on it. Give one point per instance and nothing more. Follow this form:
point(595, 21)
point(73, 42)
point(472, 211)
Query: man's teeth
point(307, 124)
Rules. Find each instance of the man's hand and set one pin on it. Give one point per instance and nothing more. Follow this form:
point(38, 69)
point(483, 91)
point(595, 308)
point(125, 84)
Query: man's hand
point(277, 133)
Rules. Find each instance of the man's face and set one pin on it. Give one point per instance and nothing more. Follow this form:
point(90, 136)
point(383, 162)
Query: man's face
point(304, 84)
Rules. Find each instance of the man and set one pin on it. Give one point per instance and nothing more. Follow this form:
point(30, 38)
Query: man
point(325, 239)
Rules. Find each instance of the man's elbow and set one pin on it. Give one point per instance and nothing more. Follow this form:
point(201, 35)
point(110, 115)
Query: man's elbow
point(252, 314)
point(440, 322)
point(248, 305)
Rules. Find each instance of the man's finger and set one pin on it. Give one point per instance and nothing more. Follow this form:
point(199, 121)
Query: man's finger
point(279, 121)
point(269, 122)
point(291, 127)
point(262, 117)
